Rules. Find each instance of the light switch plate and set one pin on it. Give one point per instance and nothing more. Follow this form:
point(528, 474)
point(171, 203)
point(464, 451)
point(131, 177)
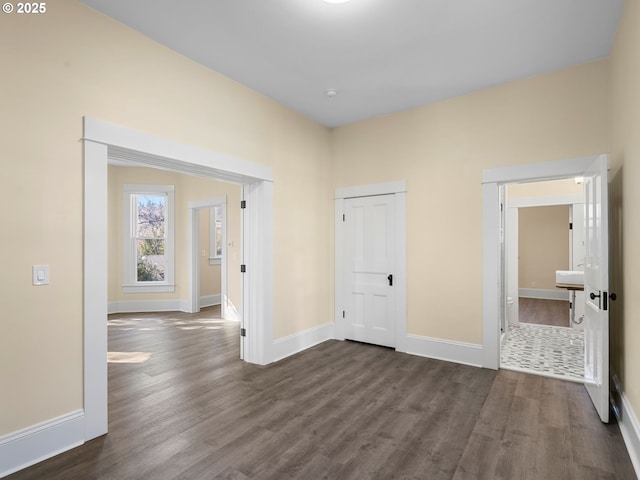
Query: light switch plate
point(41, 274)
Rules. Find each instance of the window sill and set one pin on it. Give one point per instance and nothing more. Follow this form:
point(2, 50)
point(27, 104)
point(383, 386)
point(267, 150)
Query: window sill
point(162, 288)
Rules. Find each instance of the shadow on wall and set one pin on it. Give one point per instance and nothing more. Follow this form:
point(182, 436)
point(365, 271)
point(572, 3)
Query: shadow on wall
point(616, 276)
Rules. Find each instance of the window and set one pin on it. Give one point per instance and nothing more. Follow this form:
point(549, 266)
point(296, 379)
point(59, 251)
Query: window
point(216, 233)
point(148, 238)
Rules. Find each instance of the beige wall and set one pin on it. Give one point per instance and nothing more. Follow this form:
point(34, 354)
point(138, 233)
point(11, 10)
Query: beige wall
point(551, 188)
point(441, 151)
point(625, 199)
point(211, 275)
point(543, 245)
point(187, 188)
point(72, 62)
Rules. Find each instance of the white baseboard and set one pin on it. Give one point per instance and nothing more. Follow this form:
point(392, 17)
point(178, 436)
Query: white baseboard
point(34, 444)
point(439, 349)
point(297, 342)
point(133, 306)
point(210, 300)
point(543, 294)
point(628, 423)
point(451, 351)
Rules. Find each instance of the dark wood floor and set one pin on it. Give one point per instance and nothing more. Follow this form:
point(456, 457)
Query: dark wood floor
point(340, 410)
point(544, 312)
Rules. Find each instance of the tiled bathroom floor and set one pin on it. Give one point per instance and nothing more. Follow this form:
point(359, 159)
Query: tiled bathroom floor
point(544, 350)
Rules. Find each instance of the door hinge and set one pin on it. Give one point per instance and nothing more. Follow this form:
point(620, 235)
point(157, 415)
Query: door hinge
point(243, 268)
point(570, 226)
point(243, 332)
point(605, 301)
point(570, 305)
point(343, 217)
point(342, 313)
point(243, 204)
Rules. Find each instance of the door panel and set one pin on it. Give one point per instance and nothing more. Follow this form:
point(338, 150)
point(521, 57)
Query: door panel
point(596, 285)
point(370, 258)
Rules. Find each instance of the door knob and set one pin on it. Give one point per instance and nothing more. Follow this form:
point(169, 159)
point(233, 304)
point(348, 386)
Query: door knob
point(613, 297)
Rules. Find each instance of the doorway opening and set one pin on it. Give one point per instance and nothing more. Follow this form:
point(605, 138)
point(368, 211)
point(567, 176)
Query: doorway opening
point(594, 171)
point(209, 245)
point(102, 140)
point(215, 250)
point(542, 323)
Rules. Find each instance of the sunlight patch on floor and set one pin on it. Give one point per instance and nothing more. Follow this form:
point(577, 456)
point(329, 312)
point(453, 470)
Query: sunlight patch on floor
point(128, 357)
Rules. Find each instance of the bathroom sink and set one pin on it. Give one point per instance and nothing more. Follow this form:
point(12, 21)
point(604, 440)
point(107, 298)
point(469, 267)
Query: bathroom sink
point(570, 277)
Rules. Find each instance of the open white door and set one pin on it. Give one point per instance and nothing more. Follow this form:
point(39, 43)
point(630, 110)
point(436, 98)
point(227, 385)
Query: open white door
point(596, 285)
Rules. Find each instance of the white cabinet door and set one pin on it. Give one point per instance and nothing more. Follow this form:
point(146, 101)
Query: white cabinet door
point(370, 256)
point(596, 285)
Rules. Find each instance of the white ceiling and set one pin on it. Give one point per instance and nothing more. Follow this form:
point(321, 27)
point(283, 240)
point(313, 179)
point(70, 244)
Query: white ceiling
point(381, 56)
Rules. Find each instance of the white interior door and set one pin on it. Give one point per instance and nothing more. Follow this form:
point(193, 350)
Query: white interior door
point(596, 285)
point(370, 257)
point(578, 258)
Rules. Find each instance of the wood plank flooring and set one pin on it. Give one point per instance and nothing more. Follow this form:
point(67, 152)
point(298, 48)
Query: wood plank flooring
point(544, 312)
point(340, 410)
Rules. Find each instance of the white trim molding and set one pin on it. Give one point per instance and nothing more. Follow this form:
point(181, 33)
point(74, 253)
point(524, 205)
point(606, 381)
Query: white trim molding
point(371, 189)
point(550, 170)
point(448, 350)
point(95, 288)
point(103, 141)
point(44, 440)
point(257, 256)
point(134, 306)
point(290, 345)
point(145, 149)
point(210, 300)
point(628, 423)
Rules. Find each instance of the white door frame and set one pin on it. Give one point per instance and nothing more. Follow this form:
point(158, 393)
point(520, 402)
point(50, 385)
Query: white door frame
point(102, 140)
point(193, 261)
point(398, 189)
point(492, 179)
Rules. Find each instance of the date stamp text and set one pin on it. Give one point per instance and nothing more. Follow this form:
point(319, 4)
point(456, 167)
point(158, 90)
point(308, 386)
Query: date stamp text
point(25, 8)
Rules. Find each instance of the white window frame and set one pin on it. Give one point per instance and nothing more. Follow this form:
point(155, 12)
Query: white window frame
point(130, 283)
point(215, 259)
